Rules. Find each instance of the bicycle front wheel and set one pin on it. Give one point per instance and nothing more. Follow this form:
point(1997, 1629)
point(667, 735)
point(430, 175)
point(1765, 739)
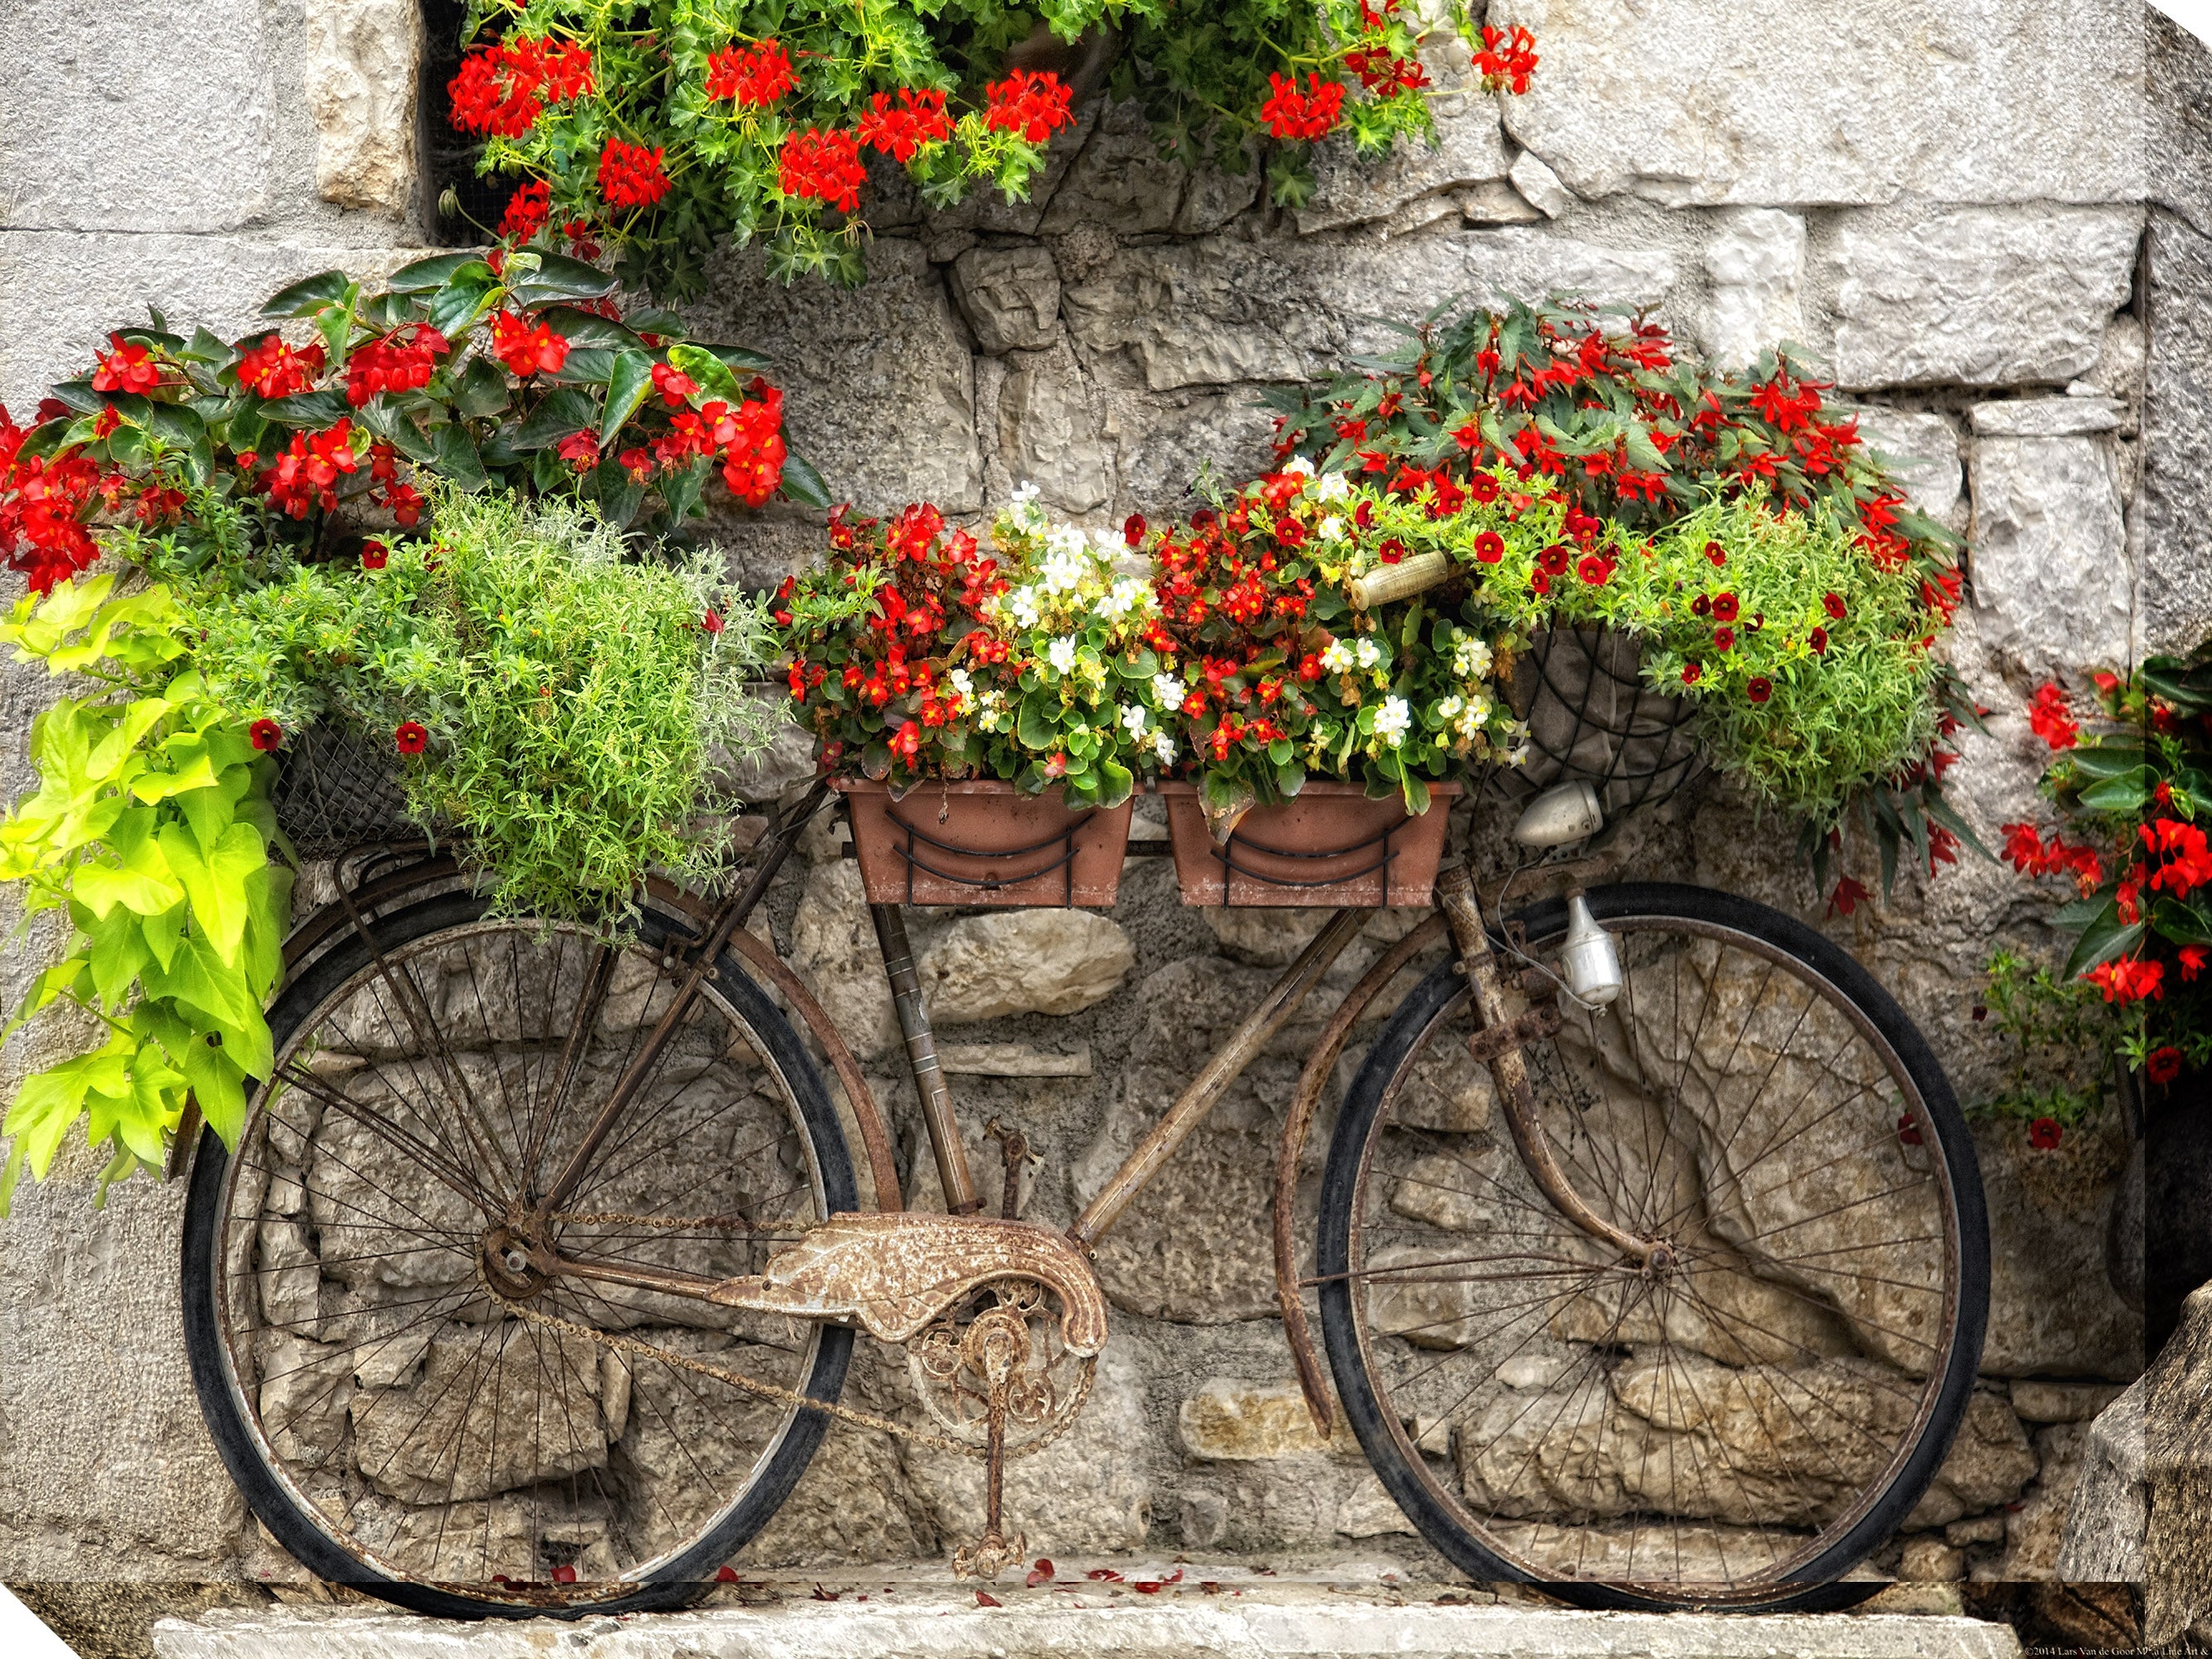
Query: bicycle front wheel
point(1752, 1416)
point(406, 1407)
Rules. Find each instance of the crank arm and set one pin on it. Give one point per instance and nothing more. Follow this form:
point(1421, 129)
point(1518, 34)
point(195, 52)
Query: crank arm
point(1498, 1045)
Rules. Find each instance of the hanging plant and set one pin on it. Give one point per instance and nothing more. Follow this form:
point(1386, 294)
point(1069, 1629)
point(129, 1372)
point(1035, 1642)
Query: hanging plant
point(663, 129)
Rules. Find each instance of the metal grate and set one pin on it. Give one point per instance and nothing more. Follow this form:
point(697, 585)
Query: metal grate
point(1592, 717)
point(334, 791)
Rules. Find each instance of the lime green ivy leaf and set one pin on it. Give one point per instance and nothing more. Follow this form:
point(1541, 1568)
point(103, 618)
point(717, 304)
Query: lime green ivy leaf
point(214, 880)
point(118, 952)
point(217, 1085)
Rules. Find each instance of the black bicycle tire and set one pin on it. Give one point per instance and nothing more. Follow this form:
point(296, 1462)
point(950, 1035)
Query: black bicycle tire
point(691, 1575)
point(1827, 1591)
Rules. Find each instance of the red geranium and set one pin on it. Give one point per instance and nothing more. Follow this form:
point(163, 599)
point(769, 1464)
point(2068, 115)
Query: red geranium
point(752, 77)
point(1035, 104)
point(822, 166)
point(1291, 113)
point(526, 211)
point(899, 131)
point(630, 175)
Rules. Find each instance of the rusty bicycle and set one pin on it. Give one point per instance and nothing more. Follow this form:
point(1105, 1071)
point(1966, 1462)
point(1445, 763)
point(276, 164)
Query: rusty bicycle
point(1650, 1263)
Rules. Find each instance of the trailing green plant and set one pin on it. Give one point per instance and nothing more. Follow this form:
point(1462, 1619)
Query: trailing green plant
point(2062, 1048)
point(1636, 435)
point(148, 835)
point(554, 705)
point(661, 128)
point(2130, 778)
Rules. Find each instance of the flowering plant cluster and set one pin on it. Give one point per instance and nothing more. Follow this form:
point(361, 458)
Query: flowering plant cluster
point(516, 372)
point(1281, 677)
point(2129, 776)
point(916, 653)
point(663, 129)
point(1636, 435)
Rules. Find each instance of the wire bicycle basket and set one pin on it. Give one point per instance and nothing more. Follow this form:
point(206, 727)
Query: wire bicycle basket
point(1592, 718)
point(334, 791)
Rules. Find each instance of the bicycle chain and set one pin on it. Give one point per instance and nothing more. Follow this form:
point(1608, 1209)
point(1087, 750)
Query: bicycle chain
point(738, 1379)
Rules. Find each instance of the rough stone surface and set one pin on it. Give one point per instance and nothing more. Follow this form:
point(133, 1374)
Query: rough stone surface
point(1024, 962)
point(1470, 150)
point(2176, 501)
point(1785, 102)
point(2035, 1531)
point(1925, 451)
point(2034, 1400)
point(1257, 1620)
point(2051, 576)
point(1228, 1419)
point(1049, 429)
point(2102, 1543)
point(361, 76)
point(833, 946)
point(1011, 297)
point(1539, 186)
point(1754, 265)
point(1981, 296)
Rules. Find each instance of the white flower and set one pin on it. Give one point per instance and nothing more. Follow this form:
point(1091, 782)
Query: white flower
point(961, 683)
point(1338, 659)
point(1470, 657)
point(1299, 464)
point(1332, 528)
point(1022, 605)
point(1167, 691)
point(1470, 725)
point(1128, 597)
point(1132, 720)
point(1335, 486)
point(1164, 746)
point(1369, 653)
point(1449, 706)
point(1061, 654)
point(1024, 493)
point(1391, 720)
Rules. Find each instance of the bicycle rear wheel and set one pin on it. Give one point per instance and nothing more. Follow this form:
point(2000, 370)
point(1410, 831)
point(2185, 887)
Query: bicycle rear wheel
point(571, 1446)
point(1737, 1428)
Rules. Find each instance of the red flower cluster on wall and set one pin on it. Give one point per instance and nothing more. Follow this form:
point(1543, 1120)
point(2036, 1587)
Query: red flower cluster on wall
point(271, 368)
point(1312, 113)
point(630, 175)
point(1507, 60)
point(1034, 103)
point(503, 90)
point(901, 130)
point(403, 361)
point(752, 77)
point(823, 166)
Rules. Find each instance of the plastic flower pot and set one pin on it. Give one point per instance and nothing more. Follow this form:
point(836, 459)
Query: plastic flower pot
point(984, 843)
point(1331, 846)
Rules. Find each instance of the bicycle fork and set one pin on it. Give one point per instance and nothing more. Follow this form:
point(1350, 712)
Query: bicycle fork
point(1497, 1043)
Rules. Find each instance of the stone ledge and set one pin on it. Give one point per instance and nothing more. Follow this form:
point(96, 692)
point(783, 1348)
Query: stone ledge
point(1246, 1616)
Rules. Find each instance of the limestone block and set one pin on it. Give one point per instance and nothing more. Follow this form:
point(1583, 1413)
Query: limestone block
point(1118, 178)
point(2047, 1212)
point(2102, 1542)
point(834, 948)
point(1981, 296)
point(2052, 579)
point(1496, 202)
point(2178, 76)
point(1924, 453)
point(1024, 962)
point(1929, 1560)
point(879, 382)
point(1048, 430)
point(1219, 311)
point(1211, 197)
point(1011, 297)
point(1228, 1419)
point(1784, 101)
point(135, 115)
point(2175, 503)
point(1469, 149)
point(1369, 1511)
point(1539, 186)
point(362, 62)
point(2033, 1532)
point(1755, 262)
point(2037, 1400)
point(61, 291)
point(1162, 442)
point(2069, 417)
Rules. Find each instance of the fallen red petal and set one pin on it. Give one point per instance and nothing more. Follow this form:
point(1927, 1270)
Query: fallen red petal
point(1041, 1573)
point(985, 1599)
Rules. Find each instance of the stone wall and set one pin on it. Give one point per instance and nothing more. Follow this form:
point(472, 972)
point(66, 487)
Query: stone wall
point(1946, 202)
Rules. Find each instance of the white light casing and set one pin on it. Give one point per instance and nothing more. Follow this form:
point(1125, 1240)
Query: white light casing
point(1590, 962)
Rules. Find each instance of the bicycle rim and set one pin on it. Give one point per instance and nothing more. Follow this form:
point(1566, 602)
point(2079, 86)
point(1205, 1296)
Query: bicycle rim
point(1758, 1413)
point(393, 1421)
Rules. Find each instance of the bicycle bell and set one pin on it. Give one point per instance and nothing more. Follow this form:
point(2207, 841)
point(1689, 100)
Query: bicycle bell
point(1565, 812)
point(1589, 959)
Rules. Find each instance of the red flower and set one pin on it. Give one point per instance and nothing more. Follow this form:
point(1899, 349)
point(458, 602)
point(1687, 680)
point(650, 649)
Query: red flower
point(1490, 547)
point(374, 556)
point(1835, 605)
point(1759, 689)
point(1908, 1132)
point(2164, 1065)
point(1691, 673)
point(919, 118)
point(1724, 607)
point(126, 368)
point(2129, 979)
point(270, 368)
point(2049, 719)
point(711, 621)
point(1723, 638)
point(2045, 1133)
point(1717, 553)
point(579, 449)
point(1310, 114)
point(1819, 641)
point(1594, 568)
point(394, 363)
point(306, 471)
point(1132, 530)
point(1506, 61)
point(502, 88)
point(2192, 962)
point(526, 211)
point(410, 739)
point(752, 78)
point(264, 734)
point(524, 348)
point(823, 166)
point(675, 387)
point(630, 175)
point(1035, 105)
point(1848, 896)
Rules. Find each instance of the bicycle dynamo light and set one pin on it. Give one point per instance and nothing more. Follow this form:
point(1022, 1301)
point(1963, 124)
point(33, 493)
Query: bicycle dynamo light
point(1565, 812)
point(1589, 958)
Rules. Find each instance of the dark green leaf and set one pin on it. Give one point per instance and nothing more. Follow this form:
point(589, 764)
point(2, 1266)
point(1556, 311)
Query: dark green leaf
point(313, 410)
point(481, 389)
point(2125, 793)
point(682, 492)
point(587, 328)
point(424, 275)
point(2106, 937)
point(462, 301)
point(585, 366)
point(454, 456)
point(2182, 922)
point(629, 381)
point(557, 277)
point(2107, 760)
point(567, 410)
point(803, 485)
point(79, 396)
point(710, 374)
point(309, 294)
point(739, 357)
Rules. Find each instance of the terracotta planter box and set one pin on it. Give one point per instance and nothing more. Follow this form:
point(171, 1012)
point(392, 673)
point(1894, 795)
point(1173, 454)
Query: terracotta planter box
point(984, 843)
point(1332, 846)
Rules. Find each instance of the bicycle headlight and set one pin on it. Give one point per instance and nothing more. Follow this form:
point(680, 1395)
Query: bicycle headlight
point(1590, 960)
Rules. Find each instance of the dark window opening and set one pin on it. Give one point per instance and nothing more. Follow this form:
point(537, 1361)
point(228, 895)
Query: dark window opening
point(450, 156)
